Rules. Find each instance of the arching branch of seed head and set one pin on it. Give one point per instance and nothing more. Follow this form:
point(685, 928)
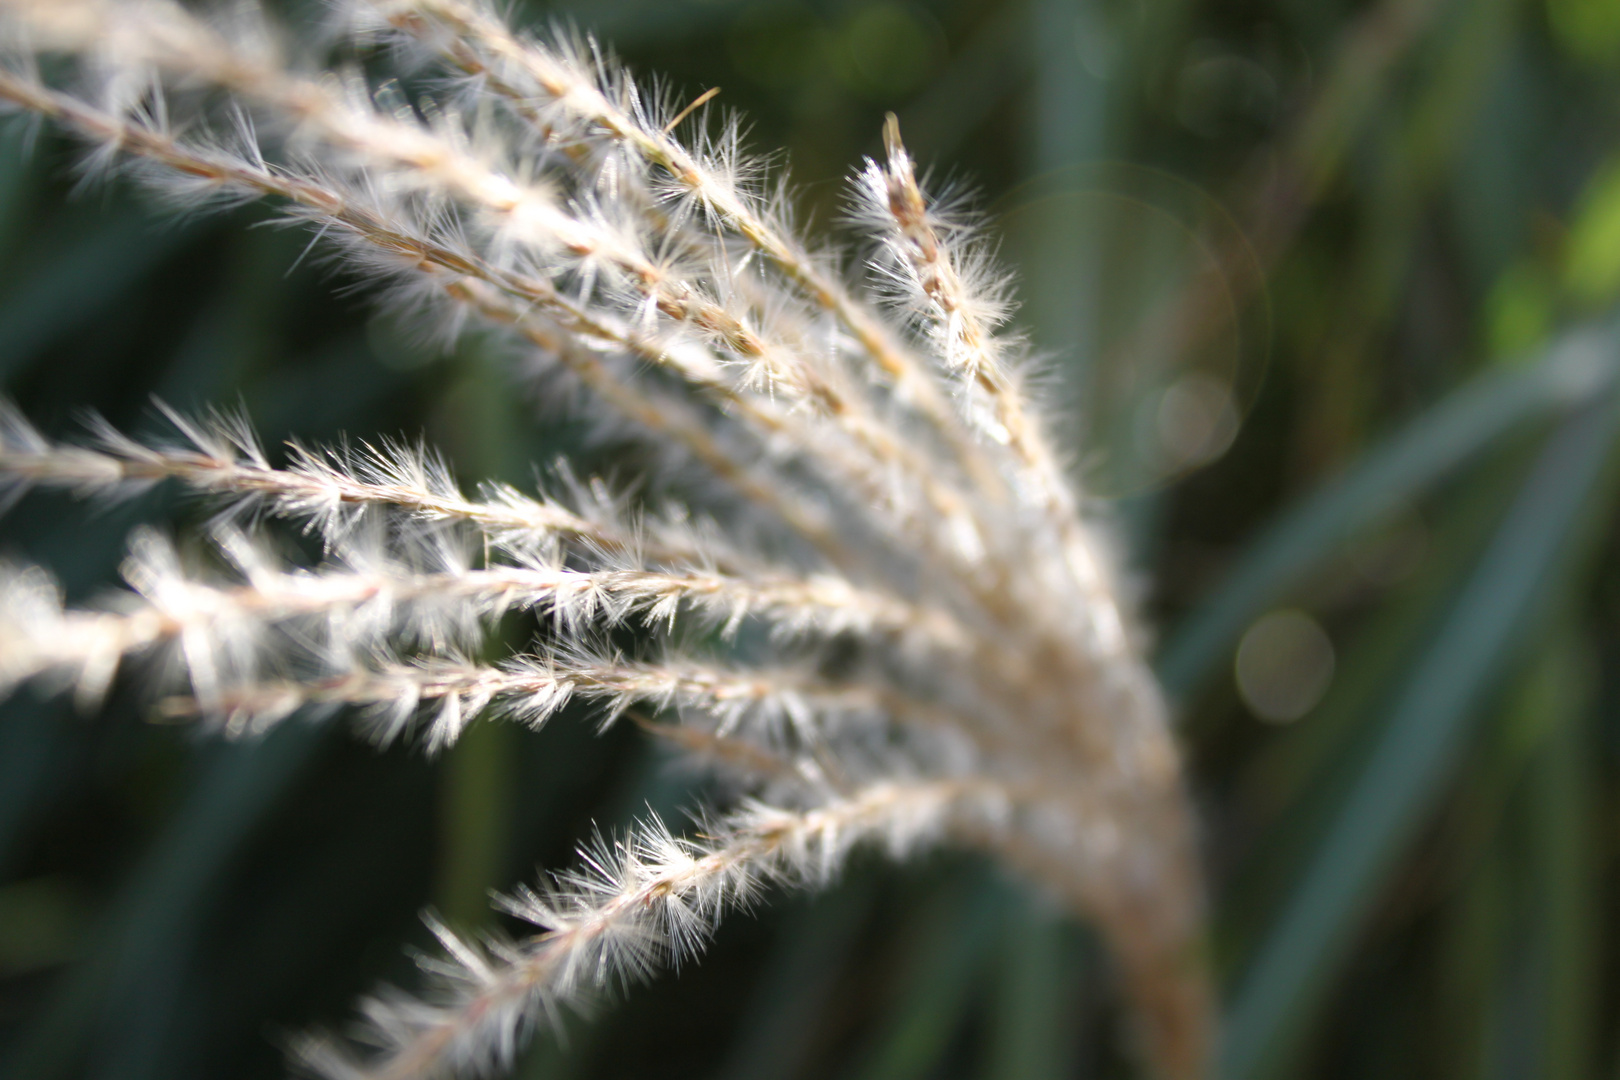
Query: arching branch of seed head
point(207, 172)
point(542, 82)
point(962, 310)
point(633, 906)
point(439, 162)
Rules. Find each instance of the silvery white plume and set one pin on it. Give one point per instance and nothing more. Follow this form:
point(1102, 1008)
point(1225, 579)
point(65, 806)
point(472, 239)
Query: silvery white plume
point(884, 490)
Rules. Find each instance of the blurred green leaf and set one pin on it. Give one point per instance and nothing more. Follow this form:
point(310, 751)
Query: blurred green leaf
point(1505, 1006)
point(1520, 310)
point(40, 924)
point(17, 172)
point(477, 790)
point(58, 294)
point(947, 945)
point(977, 81)
point(30, 760)
point(155, 913)
point(779, 1030)
point(1587, 29)
point(1527, 563)
point(1578, 366)
point(1293, 785)
point(1563, 860)
point(1471, 961)
point(1592, 260)
point(1034, 1018)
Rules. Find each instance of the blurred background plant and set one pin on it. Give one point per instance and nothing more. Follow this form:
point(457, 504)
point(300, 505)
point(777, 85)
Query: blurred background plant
point(1326, 292)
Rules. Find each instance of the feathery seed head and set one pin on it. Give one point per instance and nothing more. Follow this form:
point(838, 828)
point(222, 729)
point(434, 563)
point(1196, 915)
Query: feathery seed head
point(890, 624)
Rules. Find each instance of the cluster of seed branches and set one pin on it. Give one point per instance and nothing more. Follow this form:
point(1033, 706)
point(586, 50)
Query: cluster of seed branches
point(881, 480)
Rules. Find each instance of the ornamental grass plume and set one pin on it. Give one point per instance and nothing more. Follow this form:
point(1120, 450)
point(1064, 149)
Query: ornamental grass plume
point(948, 654)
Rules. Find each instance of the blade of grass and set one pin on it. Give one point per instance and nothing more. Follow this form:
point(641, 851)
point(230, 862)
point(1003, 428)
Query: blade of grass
point(1472, 951)
point(1427, 726)
point(18, 172)
point(1562, 814)
point(1580, 365)
point(61, 292)
point(32, 752)
point(155, 914)
point(946, 952)
point(1496, 993)
point(631, 22)
point(1291, 789)
point(967, 92)
point(1073, 109)
point(1041, 966)
point(778, 1032)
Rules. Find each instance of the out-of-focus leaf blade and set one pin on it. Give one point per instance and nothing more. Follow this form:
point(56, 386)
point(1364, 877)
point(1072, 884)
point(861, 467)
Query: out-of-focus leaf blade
point(60, 294)
point(1295, 785)
point(1581, 364)
point(778, 1031)
point(1032, 1022)
point(949, 942)
point(1564, 982)
point(16, 171)
point(155, 914)
point(970, 89)
point(628, 22)
point(30, 752)
point(1427, 725)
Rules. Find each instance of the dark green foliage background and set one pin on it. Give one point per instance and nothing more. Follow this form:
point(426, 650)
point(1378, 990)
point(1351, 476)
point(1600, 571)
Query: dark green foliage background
point(1407, 210)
